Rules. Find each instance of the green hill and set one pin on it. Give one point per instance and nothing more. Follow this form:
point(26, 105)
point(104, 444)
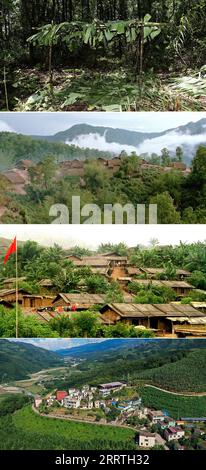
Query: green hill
point(186, 374)
point(176, 405)
point(17, 360)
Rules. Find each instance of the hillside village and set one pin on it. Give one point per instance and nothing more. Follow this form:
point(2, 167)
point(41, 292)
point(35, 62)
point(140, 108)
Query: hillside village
point(154, 428)
point(28, 183)
point(34, 178)
point(117, 294)
point(20, 176)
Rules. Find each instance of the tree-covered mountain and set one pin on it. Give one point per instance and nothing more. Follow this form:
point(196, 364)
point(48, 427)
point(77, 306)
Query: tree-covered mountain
point(182, 134)
point(177, 365)
point(121, 136)
point(118, 346)
point(18, 359)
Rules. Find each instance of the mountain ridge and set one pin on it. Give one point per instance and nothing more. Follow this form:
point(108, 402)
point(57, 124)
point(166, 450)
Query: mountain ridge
point(31, 358)
point(136, 136)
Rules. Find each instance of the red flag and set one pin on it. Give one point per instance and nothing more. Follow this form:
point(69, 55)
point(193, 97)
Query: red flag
point(12, 249)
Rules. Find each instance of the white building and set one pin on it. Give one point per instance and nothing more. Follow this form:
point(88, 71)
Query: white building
point(156, 416)
point(37, 401)
point(146, 439)
point(71, 402)
point(106, 389)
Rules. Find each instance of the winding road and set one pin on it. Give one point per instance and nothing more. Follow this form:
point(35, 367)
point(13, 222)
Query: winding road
point(184, 394)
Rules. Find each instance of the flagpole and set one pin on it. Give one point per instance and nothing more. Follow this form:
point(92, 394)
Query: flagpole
point(17, 319)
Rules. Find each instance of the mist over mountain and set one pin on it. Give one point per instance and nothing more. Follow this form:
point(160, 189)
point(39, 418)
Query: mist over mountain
point(188, 136)
point(83, 141)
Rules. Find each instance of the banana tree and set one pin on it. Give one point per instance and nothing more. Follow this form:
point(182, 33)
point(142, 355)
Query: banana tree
point(48, 36)
point(133, 31)
point(97, 33)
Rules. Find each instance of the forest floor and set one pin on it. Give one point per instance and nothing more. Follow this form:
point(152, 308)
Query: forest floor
point(105, 88)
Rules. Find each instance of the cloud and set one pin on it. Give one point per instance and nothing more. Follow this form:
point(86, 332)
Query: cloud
point(98, 142)
point(171, 141)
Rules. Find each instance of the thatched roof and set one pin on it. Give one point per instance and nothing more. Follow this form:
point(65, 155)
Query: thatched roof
point(92, 261)
point(154, 310)
point(180, 272)
point(5, 292)
point(132, 271)
point(83, 298)
point(171, 284)
point(16, 176)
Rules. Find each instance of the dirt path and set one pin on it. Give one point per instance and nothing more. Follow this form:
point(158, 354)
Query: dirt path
point(82, 420)
point(185, 394)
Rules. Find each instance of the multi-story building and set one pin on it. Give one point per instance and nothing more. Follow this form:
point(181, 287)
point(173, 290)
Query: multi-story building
point(173, 434)
point(156, 416)
point(167, 423)
point(106, 389)
point(146, 439)
point(71, 402)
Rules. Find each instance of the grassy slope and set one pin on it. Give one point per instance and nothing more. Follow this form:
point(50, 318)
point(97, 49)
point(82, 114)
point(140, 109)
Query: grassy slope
point(84, 434)
point(176, 405)
point(187, 374)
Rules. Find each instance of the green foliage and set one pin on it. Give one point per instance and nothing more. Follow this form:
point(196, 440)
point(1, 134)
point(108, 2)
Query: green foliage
point(97, 284)
point(186, 374)
point(176, 405)
point(12, 403)
point(95, 33)
point(67, 435)
point(87, 324)
point(198, 279)
point(113, 414)
point(167, 213)
point(29, 327)
point(151, 294)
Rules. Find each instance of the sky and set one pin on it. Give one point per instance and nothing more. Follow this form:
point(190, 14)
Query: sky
point(91, 236)
point(56, 344)
point(51, 123)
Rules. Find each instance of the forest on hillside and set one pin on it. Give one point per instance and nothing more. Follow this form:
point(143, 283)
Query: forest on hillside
point(183, 369)
point(179, 198)
point(188, 374)
point(110, 55)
